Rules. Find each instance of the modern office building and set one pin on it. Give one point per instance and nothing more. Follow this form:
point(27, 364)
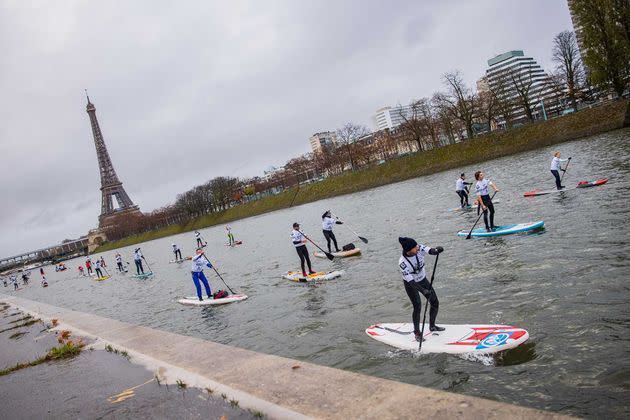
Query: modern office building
point(389, 117)
point(512, 71)
point(323, 140)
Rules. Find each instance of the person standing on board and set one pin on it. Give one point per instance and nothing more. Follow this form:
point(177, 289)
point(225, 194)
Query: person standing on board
point(177, 252)
point(556, 168)
point(483, 198)
point(461, 190)
point(200, 243)
point(88, 265)
point(81, 273)
point(200, 261)
point(411, 264)
point(299, 241)
point(327, 224)
point(231, 241)
point(137, 258)
point(103, 262)
point(119, 263)
point(97, 268)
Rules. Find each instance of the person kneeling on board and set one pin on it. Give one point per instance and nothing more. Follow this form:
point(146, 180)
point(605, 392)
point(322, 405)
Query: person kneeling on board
point(460, 189)
point(327, 224)
point(200, 261)
point(411, 264)
point(299, 241)
point(556, 168)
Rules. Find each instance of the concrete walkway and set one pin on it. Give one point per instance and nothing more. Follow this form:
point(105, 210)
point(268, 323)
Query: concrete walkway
point(276, 386)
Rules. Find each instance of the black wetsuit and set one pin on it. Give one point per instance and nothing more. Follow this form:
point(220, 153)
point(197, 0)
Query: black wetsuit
point(303, 254)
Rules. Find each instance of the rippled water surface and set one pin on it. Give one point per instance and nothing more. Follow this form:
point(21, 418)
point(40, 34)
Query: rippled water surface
point(568, 286)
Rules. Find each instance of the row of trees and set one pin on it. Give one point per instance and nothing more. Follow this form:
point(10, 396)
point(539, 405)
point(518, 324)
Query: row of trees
point(456, 113)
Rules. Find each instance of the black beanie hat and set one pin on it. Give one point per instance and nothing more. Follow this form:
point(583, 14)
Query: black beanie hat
point(407, 243)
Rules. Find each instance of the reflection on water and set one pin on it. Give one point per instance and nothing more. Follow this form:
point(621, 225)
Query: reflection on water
point(567, 285)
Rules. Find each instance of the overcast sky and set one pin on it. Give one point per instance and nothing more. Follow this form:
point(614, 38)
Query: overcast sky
point(186, 91)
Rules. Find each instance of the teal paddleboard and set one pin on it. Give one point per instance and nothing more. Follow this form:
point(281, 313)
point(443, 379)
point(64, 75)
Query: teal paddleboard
point(504, 230)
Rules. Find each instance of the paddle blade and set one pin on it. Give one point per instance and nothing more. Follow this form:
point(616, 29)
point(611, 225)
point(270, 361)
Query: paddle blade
point(330, 256)
point(364, 240)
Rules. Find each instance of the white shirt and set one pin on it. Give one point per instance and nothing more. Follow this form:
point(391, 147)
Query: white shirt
point(175, 248)
point(98, 264)
point(118, 259)
point(459, 185)
point(198, 264)
point(197, 234)
point(297, 238)
point(555, 163)
point(412, 268)
point(137, 255)
point(481, 187)
point(327, 223)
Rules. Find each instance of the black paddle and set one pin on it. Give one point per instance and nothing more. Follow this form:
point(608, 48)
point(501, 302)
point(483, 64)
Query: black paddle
point(565, 170)
point(328, 254)
point(364, 240)
point(424, 318)
point(480, 214)
point(215, 270)
point(148, 266)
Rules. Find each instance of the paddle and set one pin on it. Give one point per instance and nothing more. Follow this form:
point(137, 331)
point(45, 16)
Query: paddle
point(215, 270)
point(148, 266)
point(424, 318)
point(479, 217)
point(565, 170)
point(106, 273)
point(328, 254)
point(364, 240)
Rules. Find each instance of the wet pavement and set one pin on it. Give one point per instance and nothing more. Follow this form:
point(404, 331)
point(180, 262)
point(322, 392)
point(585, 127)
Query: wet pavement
point(94, 384)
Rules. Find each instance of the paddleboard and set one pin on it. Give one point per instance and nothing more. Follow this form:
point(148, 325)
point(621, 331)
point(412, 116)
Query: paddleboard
point(321, 275)
point(504, 230)
point(586, 184)
point(176, 261)
point(340, 254)
point(456, 339)
point(102, 278)
point(194, 300)
point(143, 276)
point(473, 207)
point(235, 243)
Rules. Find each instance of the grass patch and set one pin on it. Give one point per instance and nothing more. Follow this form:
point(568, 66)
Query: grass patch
point(25, 324)
point(234, 403)
point(65, 351)
point(209, 390)
point(585, 123)
point(257, 414)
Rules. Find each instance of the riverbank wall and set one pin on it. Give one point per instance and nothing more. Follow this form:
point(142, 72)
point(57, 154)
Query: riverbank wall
point(275, 386)
point(597, 120)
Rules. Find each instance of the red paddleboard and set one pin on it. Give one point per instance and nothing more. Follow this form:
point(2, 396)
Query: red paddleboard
point(581, 184)
point(586, 184)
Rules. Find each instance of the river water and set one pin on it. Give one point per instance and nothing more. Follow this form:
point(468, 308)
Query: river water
point(568, 285)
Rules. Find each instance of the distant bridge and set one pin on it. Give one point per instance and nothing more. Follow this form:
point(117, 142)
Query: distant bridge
point(56, 252)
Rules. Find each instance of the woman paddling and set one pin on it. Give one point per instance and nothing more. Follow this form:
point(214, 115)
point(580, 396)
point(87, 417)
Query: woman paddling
point(556, 168)
point(327, 224)
point(137, 258)
point(462, 192)
point(411, 265)
point(483, 198)
point(200, 261)
point(299, 241)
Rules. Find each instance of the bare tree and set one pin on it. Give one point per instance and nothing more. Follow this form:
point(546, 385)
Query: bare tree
point(347, 135)
point(566, 56)
point(460, 101)
point(522, 81)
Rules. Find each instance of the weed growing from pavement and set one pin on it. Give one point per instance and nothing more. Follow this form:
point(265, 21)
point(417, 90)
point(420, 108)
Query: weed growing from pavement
point(224, 396)
point(180, 384)
point(65, 351)
point(257, 414)
point(234, 403)
point(209, 390)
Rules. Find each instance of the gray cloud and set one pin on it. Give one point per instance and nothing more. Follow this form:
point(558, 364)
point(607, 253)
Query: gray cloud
point(186, 92)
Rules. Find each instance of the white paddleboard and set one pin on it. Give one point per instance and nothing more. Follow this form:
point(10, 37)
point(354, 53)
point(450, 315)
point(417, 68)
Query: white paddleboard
point(473, 207)
point(456, 339)
point(194, 300)
point(176, 261)
point(340, 254)
point(321, 275)
point(143, 276)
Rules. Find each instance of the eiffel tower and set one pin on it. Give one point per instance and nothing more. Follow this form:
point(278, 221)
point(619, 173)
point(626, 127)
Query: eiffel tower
point(111, 187)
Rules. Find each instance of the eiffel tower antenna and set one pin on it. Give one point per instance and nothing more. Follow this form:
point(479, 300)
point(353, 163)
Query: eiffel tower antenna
point(111, 187)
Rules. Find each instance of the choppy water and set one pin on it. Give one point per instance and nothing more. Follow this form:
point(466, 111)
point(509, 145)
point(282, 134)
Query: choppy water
point(569, 286)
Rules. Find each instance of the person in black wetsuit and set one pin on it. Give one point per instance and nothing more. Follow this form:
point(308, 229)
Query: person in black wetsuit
point(299, 242)
point(327, 224)
point(411, 265)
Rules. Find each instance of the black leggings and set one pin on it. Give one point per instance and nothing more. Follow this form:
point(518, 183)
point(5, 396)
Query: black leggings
point(413, 290)
point(328, 234)
point(557, 176)
point(139, 267)
point(488, 203)
point(303, 253)
point(120, 266)
point(463, 197)
point(199, 243)
point(99, 272)
point(178, 255)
